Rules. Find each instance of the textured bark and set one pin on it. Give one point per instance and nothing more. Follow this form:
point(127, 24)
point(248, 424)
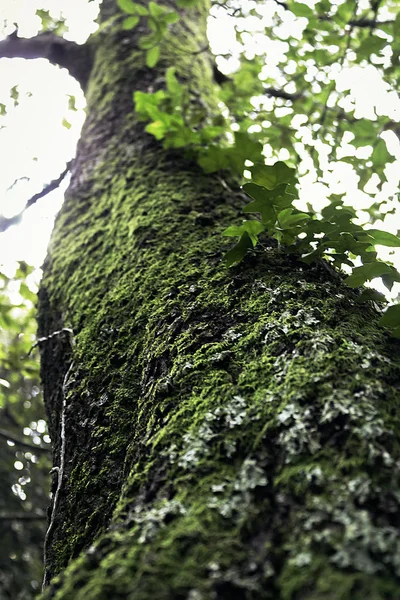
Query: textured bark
point(228, 434)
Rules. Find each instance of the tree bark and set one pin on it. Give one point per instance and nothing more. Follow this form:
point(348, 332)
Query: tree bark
point(219, 434)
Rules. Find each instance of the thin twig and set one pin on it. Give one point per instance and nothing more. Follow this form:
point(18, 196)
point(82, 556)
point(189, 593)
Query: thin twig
point(5, 222)
point(368, 23)
point(22, 517)
point(274, 93)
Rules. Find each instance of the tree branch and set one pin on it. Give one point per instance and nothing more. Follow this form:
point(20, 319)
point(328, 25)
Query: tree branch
point(362, 22)
point(282, 94)
point(5, 222)
point(77, 59)
point(368, 23)
point(22, 517)
point(283, 4)
point(10, 436)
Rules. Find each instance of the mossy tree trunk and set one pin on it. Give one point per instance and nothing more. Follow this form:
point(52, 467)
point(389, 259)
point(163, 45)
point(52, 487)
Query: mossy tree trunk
point(220, 434)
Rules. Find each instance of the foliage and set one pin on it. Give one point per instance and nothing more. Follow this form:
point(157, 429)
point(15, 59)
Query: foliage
point(24, 466)
point(238, 137)
point(334, 236)
point(158, 19)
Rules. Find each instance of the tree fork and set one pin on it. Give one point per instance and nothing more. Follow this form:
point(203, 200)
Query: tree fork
point(227, 434)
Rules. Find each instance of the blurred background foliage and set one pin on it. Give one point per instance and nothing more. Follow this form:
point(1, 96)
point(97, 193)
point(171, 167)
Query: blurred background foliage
point(24, 443)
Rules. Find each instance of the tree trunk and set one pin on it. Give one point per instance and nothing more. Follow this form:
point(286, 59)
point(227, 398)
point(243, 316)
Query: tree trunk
point(219, 433)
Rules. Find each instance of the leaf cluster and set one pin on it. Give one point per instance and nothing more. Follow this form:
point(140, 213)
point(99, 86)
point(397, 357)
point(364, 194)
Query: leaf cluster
point(25, 480)
point(332, 35)
point(331, 235)
point(158, 18)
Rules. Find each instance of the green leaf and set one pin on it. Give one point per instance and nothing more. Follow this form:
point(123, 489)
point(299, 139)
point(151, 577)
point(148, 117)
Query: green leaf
point(173, 85)
point(396, 26)
point(14, 94)
point(339, 259)
point(147, 42)
point(157, 11)
point(45, 17)
point(367, 272)
point(147, 104)
point(264, 206)
point(171, 18)
point(369, 294)
point(345, 241)
point(133, 8)
point(238, 252)
point(390, 278)
point(301, 10)
point(266, 202)
point(363, 128)
point(346, 10)
point(391, 318)
point(66, 124)
point(130, 22)
point(287, 219)
point(157, 128)
point(214, 159)
point(233, 231)
point(248, 148)
point(380, 156)
point(252, 228)
point(210, 132)
point(26, 293)
point(270, 176)
point(152, 56)
point(383, 238)
point(371, 45)
point(156, 27)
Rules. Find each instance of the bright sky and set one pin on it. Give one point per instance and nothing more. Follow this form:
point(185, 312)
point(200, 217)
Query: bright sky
point(35, 144)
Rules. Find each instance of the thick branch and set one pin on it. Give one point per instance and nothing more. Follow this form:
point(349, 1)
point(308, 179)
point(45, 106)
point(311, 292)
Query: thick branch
point(73, 57)
point(10, 436)
point(5, 222)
